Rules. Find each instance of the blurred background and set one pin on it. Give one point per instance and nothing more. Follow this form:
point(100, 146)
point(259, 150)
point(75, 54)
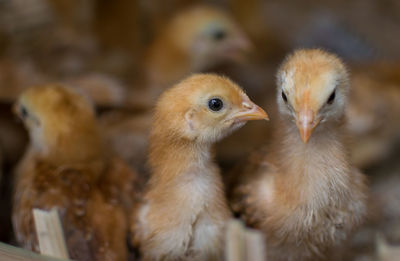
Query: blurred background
point(115, 51)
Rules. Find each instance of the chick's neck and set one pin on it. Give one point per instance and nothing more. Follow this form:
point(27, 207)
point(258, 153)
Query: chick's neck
point(174, 158)
point(319, 166)
point(81, 146)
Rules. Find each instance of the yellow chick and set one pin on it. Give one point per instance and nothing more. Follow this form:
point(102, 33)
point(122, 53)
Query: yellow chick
point(194, 40)
point(67, 167)
point(184, 209)
point(304, 194)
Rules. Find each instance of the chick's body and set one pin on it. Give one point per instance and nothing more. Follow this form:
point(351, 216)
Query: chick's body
point(184, 210)
point(66, 167)
point(305, 195)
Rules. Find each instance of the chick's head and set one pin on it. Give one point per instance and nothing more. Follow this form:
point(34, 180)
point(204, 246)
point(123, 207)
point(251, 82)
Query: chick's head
point(312, 89)
point(57, 118)
point(204, 108)
point(208, 36)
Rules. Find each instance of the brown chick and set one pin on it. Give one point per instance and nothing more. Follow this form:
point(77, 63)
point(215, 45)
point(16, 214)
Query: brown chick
point(184, 209)
point(67, 167)
point(305, 195)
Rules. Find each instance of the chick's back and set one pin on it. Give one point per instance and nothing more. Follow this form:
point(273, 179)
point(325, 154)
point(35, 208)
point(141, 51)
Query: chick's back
point(93, 223)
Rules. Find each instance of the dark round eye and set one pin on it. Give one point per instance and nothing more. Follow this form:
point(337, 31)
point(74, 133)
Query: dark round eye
point(331, 98)
point(215, 104)
point(219, 35)
point(284, 96)
point(24, 112)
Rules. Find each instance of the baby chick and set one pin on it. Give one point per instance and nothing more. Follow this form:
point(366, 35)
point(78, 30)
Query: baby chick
point(67, 167)
point(194, 40)
point(184, 209)
point(305, 195)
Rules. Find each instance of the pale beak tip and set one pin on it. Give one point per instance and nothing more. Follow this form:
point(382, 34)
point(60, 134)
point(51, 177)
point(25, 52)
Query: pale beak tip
point(305, 134)
point(263, 113)
point(255, 113)
point(305, 139)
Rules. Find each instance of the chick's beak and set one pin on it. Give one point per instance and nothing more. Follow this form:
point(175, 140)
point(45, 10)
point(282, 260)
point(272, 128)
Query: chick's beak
point(243, 43)
point(306, 123)
point(238, 47)
point(15, 110)
point(250, 112)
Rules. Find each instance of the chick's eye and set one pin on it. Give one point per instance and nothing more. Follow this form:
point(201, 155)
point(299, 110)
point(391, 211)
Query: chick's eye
point(219, 35)
point(284, 96)
point(24, 112)
point(215, 104)
point(331, 98)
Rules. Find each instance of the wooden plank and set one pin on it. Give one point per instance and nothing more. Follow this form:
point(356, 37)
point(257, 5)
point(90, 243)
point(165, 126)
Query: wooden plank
point(244, 244)
point(384, 251)
point(11, 253)
point(235, 244)
point(50, 233)
point(255, 245)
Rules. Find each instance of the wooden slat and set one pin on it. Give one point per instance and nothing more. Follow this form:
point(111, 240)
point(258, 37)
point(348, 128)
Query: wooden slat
point(255, 245)
point(384, 251)
point(50, 233)
point(11, 253)
point(244, 244)
point(235, 244)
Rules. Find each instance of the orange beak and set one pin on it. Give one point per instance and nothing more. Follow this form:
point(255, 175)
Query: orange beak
point(306, 123)
point(251, 113)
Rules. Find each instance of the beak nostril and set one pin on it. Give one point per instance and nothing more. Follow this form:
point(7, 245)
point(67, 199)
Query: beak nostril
point(248, 112)
point(247, 106)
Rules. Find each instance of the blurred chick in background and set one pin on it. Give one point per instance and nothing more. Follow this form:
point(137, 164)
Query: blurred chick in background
point(128, 135)
point(304, 194)
point(67, 167)
point(373, 112)
point(184, 210)
point(194, 40)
